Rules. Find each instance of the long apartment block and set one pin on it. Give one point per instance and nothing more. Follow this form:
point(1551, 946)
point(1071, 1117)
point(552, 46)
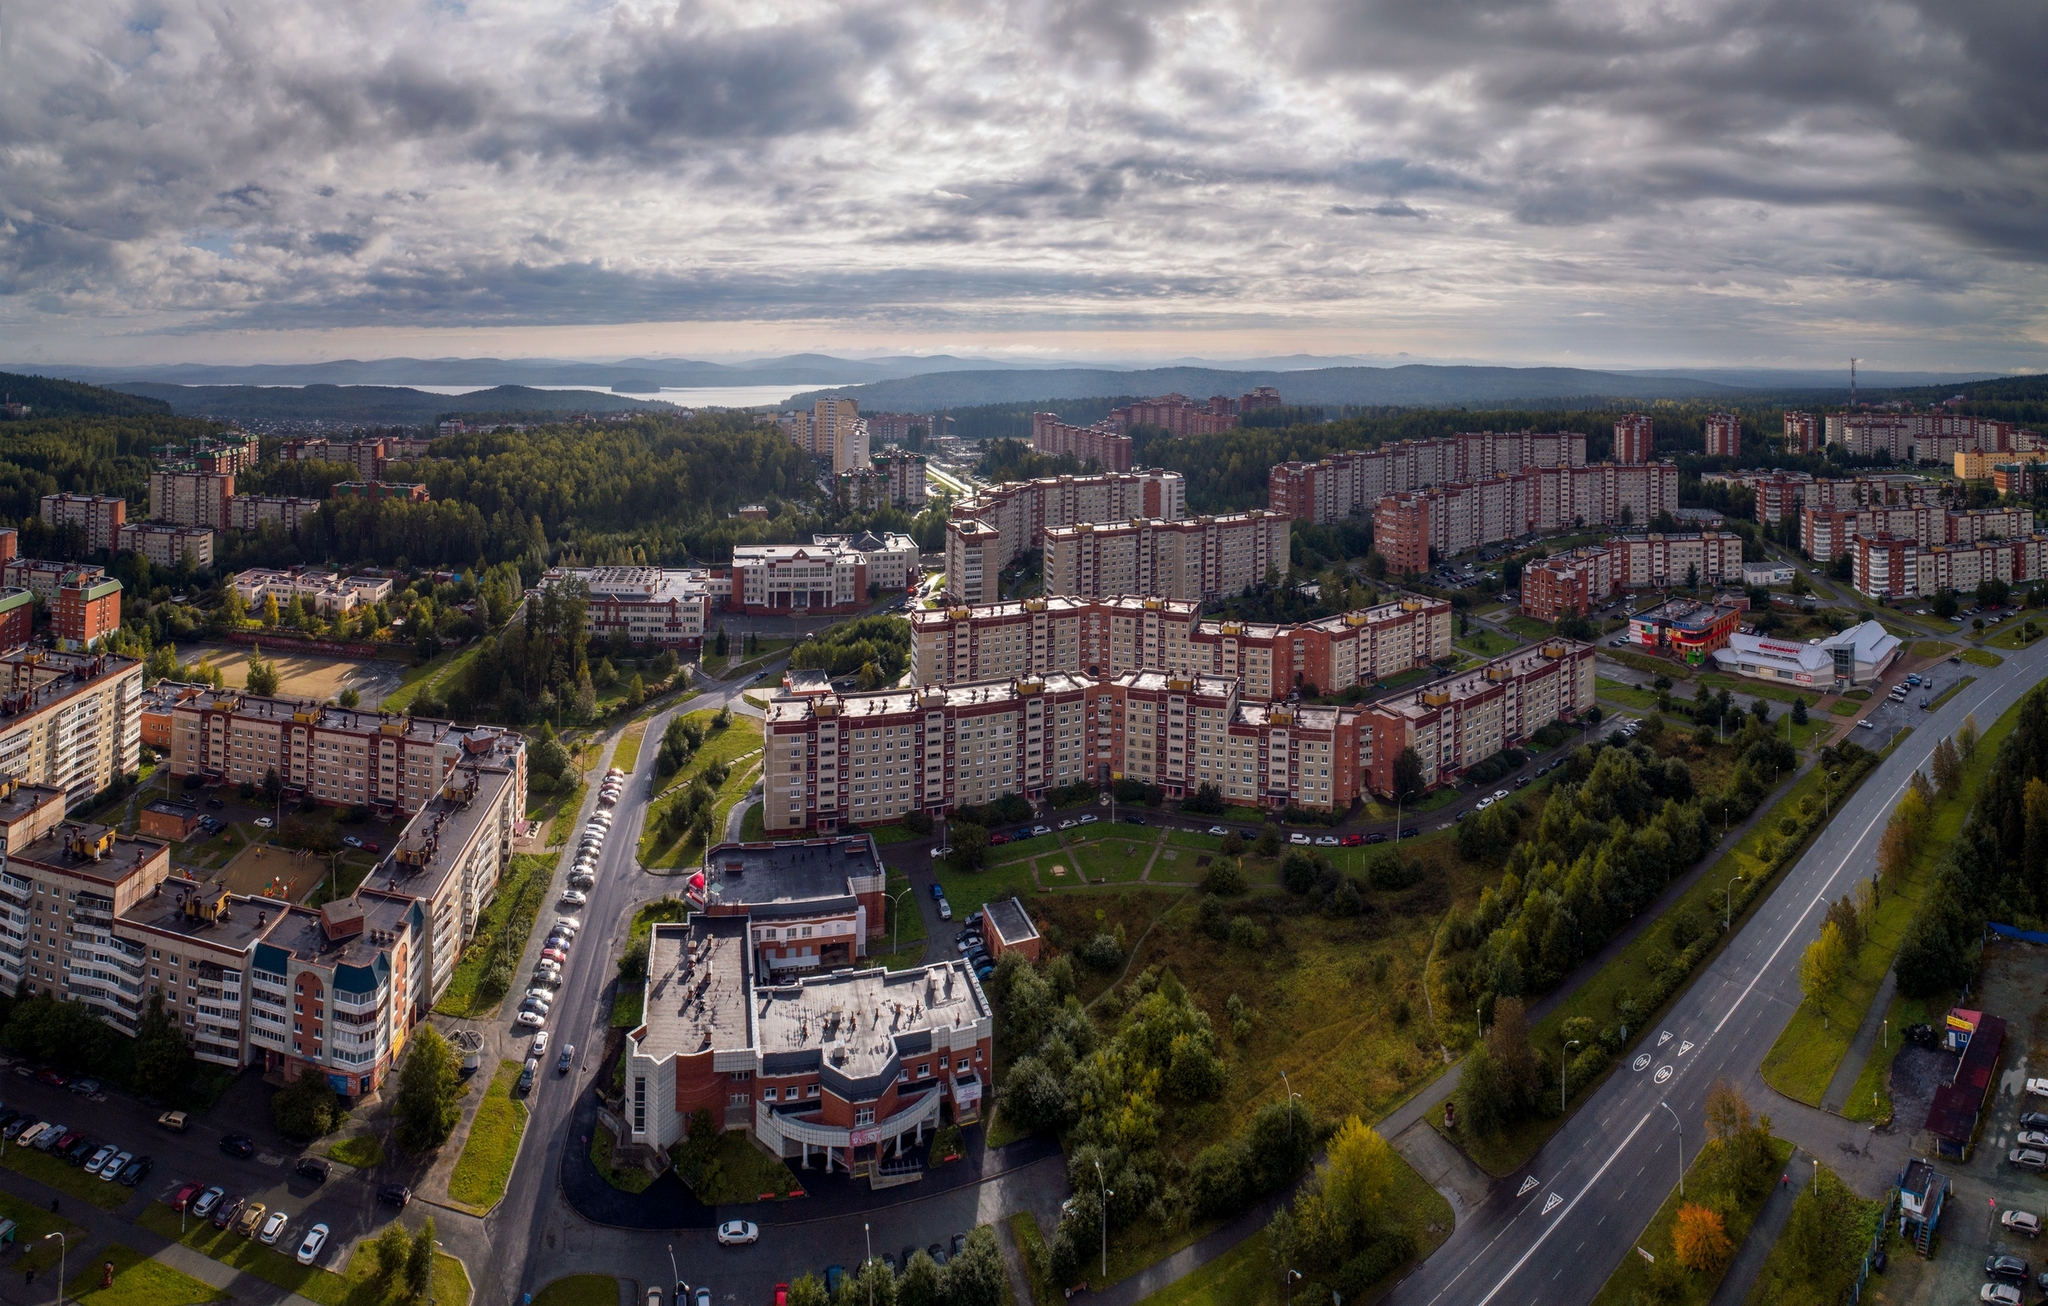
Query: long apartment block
point(1194, 558)
point(1345, 484)
point(1826, 533)
point(1657, 559)
point(1105, 637)
point(834, 760)
point(1924, 437)
point(1901, 567)
point(1462, 515)
point(1021, 512)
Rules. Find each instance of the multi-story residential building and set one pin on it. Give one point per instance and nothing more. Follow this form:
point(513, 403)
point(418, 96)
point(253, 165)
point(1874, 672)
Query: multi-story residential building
point(1662, 560)
point(322, 592)
point(1182, 733)
point(167, 546)
point(337, 989)
point(1195, 558)
point(1900, 567)
point(1402, 531)
point(786, 1060)
point(836, 577)
point(814, 904)
point(1924, 437)
point(191, 498)
point(1723, 435)
point(63, 886)
point(832, 430)
point(1802, 433)
point(248, 512)
point(655, 606)
point(17, 617)
point(377, 491)
point(1457, 722)
point(43, 576)
point(10, 544)
point(228, 453)
point(1567, 584)
point(72, 721)
point(1100, 444)
point(1825, 533)
point(1460, 516)
point(1634, 436)
point(899, 428)
point(2015, 480)
point(893, 560)
point(1023, 511)
point(88, 608)
point(974, 562)
point(98, 516)
point(1036, 637)
point(1974, 466)
point(157, 702)
point(1346, 484)
point(905, 470)
point(367, 457)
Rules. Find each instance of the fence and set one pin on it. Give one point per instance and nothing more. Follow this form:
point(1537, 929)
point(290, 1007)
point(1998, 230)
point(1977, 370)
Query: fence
point(2015, 932)
point(1884, 1224)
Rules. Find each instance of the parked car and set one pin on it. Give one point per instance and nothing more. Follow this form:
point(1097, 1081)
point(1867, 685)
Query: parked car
point(312, 1167)
point(85, 1087)
point(252, 1216)
point(1327, 841)
point(528, 1019)
point(49, 1137)
point(215, 803)
point(2028, 1158)
point(108, 1169)
point(937, 853)
point(1037, 830)
point(236, 1145)
point(2005, 1269)
point(575, 897)
point(135, 1171)
point(1299, 838)
point(184, 1198)
point(101, 1157)
point(226, 1213)
point(2032, 1138)
point(1999, 1294)
point(738, 1233)
point(208, 1201)
point(273, 1228)
point(264, 822)
point(2038, 1085)
point(309, 1250)
point(1482, 804)
point(175, 1121)
point(352, 841)
point(394, 1195)
point(945, 910)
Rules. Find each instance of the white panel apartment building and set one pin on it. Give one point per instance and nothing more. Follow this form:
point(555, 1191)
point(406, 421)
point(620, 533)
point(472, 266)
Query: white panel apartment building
point(168, 546)
point(1705, 558)
point(1023, 511)
point(1197, 558)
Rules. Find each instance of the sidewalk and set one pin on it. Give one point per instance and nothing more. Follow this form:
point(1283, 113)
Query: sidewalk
point(1763, 1235)
point(1837, 1095)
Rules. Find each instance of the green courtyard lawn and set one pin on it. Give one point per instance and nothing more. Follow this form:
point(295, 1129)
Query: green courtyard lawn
point(1932, 648)
point(1484, 642)
point(276, 1265)
point(626, 751)
point(138, 1281)
point(2014, 635)
point(1804, 1058)
point(1844, 707)
point(483, 972)
point(426, 676)
point(1643, 700)
point(492, 1146)
point(32, 1224)
point(1870, 1098)
point(1530, 628)
point(738, 746)
point(628, 1005)
point(580, 1290)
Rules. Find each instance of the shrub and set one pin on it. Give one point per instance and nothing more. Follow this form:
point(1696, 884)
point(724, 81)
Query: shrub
point(1247, 933)
point(1224, 879)
point(1104, 952)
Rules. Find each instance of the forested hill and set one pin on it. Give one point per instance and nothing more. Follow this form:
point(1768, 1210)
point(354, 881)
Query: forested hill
point(2009, 398)
point(48, 397)
point(372, 405)
point(1416, 384)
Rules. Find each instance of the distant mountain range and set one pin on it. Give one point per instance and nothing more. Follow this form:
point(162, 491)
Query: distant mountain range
point(371, 405)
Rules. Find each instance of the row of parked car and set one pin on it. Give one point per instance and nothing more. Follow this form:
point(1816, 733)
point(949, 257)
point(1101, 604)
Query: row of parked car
point(249, 1219)
point(101, 1160)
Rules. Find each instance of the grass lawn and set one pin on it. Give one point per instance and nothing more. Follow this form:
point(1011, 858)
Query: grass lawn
point(1844, 707)
point(1789, 1278)
point(1632, 1275)
point(740, 1171)
point(138, 1281)
point(904, 921)
point(752, 828)
point(64, 1177)
point(1529, 627)
point(33, 1223)
point(275, 1265)
point(1754, 688)
point(1932, 648)
point(1871, 1098)
point(1031, 1248)
point(632, 1179)
point(742, 737)
point(628, 1005)
point(1671, 667)
point(363, 1151)
point(739, 746)
point(419, 679)
point(2014, 636)
point(1109, 853)
point(968, 890)
point(627, 750)
point(557, 808)
point(502, 930)
point(1484, 642)
point(1804, 1058)
point(580, 1290)
point(1977, 657)
point(1634, 696)
point(492, 1146)
point(896, 832)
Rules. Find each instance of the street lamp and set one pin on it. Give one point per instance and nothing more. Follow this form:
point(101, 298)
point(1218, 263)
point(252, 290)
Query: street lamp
point(867, 1267)
point(1681, 1146)
point(1291, 1276)
point(1728, 903)
point(1561, 1053)
point(1291, 1095)
point(676, 1274)
point(1106, 1195)
point(63, 1246)
point(896, 939)
point(1827, 796)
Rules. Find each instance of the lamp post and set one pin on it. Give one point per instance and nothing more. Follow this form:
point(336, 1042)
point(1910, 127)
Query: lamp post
point(64, 1246)
point(1289, 1279)
point(1827, 796)
point(1561, 1054)
point(1681, 1146)
point(1728, 903)
point(1291, 1095)
point(1106, 1195)
point(676, 1274)
point(896, 939)
point(867, 1267)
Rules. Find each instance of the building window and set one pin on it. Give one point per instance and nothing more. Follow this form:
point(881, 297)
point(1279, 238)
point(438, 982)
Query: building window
point(810, 1090)
point(864, 1116)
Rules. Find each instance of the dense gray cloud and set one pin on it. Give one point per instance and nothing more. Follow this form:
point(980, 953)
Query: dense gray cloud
point(1713, 179)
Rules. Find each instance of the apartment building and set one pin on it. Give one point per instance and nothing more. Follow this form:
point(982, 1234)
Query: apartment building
point(655, 606)
point(1195, 558)
point(1105, 637)
point(905, 470)
point(1659, 560)
point(43, 576)
point(61, 889)
point(1802, 433)
point(1634, 437)
point(1461, 516)
point(1924, 437)
point(785, 1058)
point(228, 453)
point(167, 546)
point(248, 512)
point(1723, 435)
point(1101, 444)
point(1825, 533)
point(455, 849)
point(88, 608)
point(898, 428)
point(1567, 584)
point(1023, 511)
point(337, 989)
point(1346, 484)
point(974, 562)
point(1901, 567)
point(367, 458)
point(1457, 722)
point(191, 498)
point(1181, 733)
point(17, 617)
point(323, 592)
point(98, 517)
point(1973, 466)
point(72, 721)
point(1402, 531)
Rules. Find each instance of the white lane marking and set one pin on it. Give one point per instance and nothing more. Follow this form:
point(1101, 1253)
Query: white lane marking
point(1663, 1073)
point(1643, 1062)
point(1551, 1203)
point(1545, 1235)
point(1663, 1038)
point(1527, 1184)
point(1684, 1048)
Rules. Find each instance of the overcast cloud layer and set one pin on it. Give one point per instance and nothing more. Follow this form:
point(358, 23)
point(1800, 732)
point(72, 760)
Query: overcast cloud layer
point(1605, 181)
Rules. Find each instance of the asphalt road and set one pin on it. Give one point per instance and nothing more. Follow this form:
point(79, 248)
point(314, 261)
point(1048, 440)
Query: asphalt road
point(1550, 1235)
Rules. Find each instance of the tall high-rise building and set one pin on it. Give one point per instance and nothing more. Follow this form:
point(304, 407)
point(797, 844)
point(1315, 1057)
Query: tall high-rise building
point(1802, 433)
point(1724, 435)
point(1633, 437)
point(1400, 532)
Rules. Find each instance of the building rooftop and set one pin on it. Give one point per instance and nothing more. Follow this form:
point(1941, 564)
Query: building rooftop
point(313, 712)
point(20, 801)
point(699, 981)
point(776, 878)
point(1684, 614)
point(192, 907)
point(1012, 924)
point(354, 931)
point(1465, 684)
point(852, 1025)
point(427, 850)
point(788, 708)
point(54, 676)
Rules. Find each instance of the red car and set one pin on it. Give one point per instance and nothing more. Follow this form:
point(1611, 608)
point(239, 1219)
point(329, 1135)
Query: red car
point(781, 1294)
point(185, 1196)
point(1353, 840)
point(995, 839)
point(370, 846)
point(54, 1078)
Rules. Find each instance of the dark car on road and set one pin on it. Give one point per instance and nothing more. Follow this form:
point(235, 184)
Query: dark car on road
point(394, 1195)
point(236, 1145)
point(2005, 1269)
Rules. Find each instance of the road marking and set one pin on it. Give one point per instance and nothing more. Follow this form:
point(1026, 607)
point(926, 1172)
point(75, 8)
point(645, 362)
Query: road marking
point(1663, 1038)
point(1552, 1203)
point(1643, 1062)
point(1684, 1048)
point(1527, 1184)
point(1663, 1073)
point(1545, 1235)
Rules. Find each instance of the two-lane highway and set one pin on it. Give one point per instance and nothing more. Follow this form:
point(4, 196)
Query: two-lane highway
point(1551, 1234)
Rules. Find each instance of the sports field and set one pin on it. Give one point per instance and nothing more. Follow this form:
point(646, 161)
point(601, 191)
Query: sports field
point(274, 872)
point(300, 675)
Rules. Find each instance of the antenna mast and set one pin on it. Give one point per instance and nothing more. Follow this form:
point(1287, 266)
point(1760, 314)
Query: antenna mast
point(1852, 381)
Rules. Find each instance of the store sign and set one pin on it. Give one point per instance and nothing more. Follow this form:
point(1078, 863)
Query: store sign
point(862, 1137)
point(1782, 650)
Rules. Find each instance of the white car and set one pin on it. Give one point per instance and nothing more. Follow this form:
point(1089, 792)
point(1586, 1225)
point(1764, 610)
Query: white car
point(1482, 804)
point(1499, 794)
point(540, 1044)
point(2033, 1086)
point(543, 994)
point(264, 822)
point(2021, 1222)
point(1089, 819)
point(273, 1227)
point(738, 1233)
point(528, 1019)
point(100, 1158)
point(1999, 1294)
point(316, 1238)
point(1068, 825)
point(1301, 839)
point(569, 923)
point(115, 1166)
point(1218, 831)
point(575, 897)
point(937, 853)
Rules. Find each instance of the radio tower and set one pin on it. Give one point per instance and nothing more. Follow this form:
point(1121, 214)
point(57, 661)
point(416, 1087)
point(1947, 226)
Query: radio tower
point(1852, 381)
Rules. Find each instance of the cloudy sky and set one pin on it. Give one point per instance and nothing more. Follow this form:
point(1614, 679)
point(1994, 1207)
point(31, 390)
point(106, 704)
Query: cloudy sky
point(1600, 182)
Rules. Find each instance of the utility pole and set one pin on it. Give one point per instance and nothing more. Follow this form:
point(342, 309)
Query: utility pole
point(1681, 1147)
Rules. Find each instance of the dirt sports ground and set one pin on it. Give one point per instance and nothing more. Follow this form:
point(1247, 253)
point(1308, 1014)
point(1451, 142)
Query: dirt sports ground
point(301, 675)
point(275, 872)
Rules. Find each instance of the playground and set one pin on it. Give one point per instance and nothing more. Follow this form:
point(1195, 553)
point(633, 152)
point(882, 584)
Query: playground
point(275, 872)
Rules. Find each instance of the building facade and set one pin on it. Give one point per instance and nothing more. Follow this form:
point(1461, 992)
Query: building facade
point(1023, 511)
point(1346, 484)
point(1194, 558)
point(249, 512)
point(1567, 584)
point(191, 498)
point(1101, 444)
point(1634, 437)
point(1662, 561)
point(88, 608)
point(1455, 723)
point(657, 607)
point(1684, 629)
point(1802, 433)
point(1723, 435)
point(98, 516)
point(1900, 567)
point(167, 546)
